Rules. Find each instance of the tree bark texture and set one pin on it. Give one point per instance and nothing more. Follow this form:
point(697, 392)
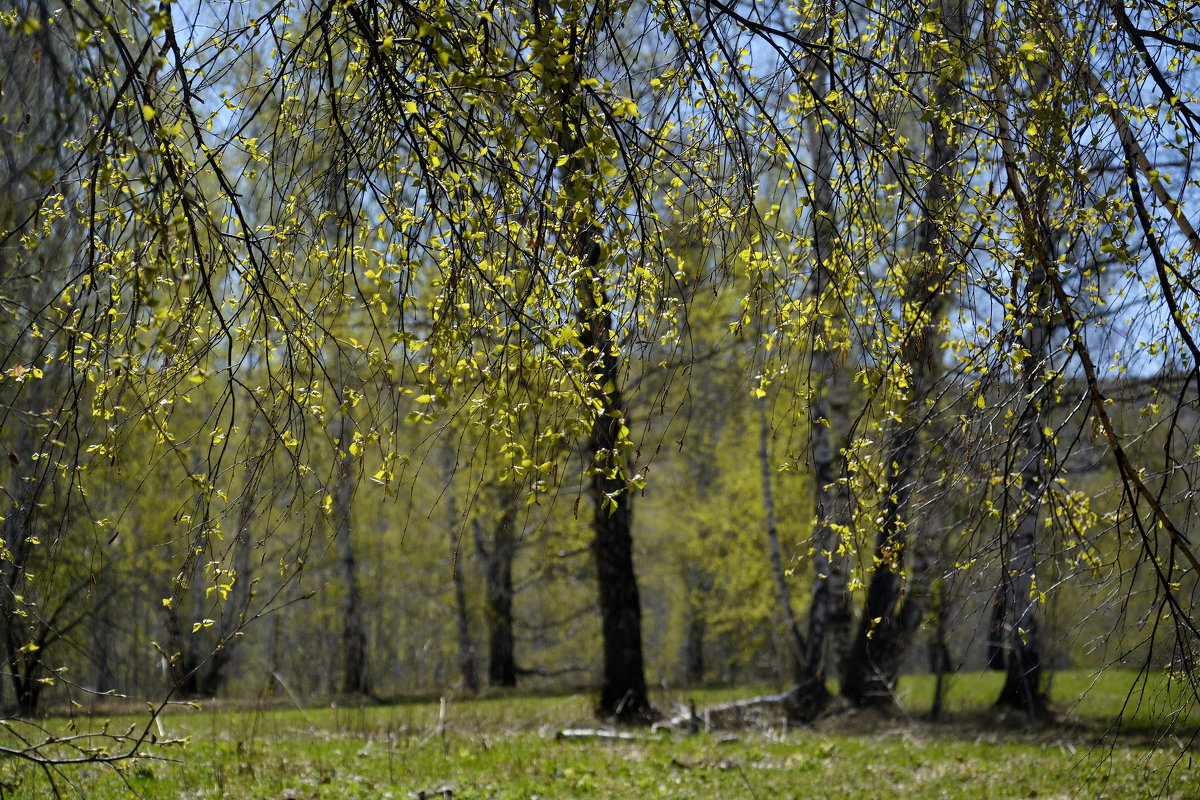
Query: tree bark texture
point(1022, 685)
point(622, 682)
point(355, 676)
point(828, 427)
point(1029, 447)
point(623, 685)
point(20, 627)
point(466, 642)
point(887, 626)
point(498, 567)
point(795, 639)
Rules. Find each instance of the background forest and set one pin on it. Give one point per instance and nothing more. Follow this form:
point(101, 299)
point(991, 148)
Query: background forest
point(375, 349)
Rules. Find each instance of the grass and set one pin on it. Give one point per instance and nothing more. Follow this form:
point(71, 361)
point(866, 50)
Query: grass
point(506, 748)
point(1080, 698)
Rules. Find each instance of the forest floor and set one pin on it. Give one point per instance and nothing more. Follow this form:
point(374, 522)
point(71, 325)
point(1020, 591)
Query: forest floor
point(512, 746)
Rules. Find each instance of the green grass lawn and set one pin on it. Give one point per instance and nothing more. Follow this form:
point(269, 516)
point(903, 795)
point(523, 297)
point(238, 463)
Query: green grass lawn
point(507, 748)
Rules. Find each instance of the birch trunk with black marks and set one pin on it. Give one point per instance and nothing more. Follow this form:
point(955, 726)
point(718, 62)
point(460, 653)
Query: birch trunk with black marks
point(1027, 473)
point(828, 421)
point(1021, 640)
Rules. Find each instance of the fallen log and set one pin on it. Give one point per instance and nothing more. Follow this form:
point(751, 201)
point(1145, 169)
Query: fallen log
point(595, 733)
point(762, 711)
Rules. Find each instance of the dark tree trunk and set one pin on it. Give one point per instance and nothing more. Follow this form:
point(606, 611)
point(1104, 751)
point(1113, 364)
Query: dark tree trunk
point(695, 574)
point(20, 628)
point(234, 615)
point(869, 679)
point(939, 651)
point(466, 642)
point(886, 628)
point(213, 673)
point(498, 564)
point(995, 643)
point(693, 647)
point(21, 620)
point(182, 664)
point(622, 680)
point(355, 677)
point(939, 663)
point(1018, 546)
point(28, 688)
point(795, 640)
point(840, 627)
point(828, 425)
point(1022, 646)
point(180, 660)
point(698, 582)
point(196, 664)
point(623, 684)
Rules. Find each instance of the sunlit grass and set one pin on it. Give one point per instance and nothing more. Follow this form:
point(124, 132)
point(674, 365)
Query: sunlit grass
point(1094, 699)
point(506, 747)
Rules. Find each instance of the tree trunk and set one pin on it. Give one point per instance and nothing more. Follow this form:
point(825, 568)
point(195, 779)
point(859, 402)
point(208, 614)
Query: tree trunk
point(213, 674)
point(622, 681)
point(698, 586)
point(498, 563)
point(182, 662)
point(995, 642)
point(828, 425)
point(939, 651)
point(829, 614)
point(1018, 545)
point(795, 639)
point(19, 614)
point(466, 643)
point(693, 646)
point(180, 659)
point(19, 625)
point(886, 628)
point(355, 677)
point(1022, 686)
